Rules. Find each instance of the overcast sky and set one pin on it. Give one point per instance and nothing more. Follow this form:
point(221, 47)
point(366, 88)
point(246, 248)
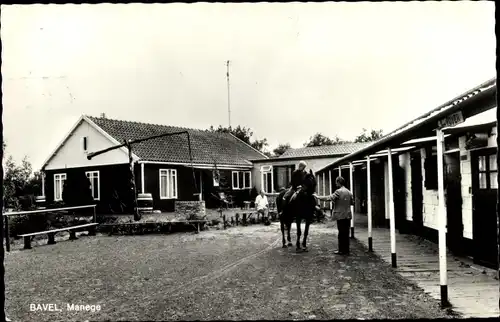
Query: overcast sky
point(296, 69)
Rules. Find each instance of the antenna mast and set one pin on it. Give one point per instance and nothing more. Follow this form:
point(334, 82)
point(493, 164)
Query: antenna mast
point(228, 95)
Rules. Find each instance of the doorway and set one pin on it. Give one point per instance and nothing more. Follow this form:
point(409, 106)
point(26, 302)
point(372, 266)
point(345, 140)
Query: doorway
point(484, 198)
point(416, 193)
point(453, 197)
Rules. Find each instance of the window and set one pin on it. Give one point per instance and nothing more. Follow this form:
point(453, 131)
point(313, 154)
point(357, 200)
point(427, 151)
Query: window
point(93, 177)
point(216, 177)
point(488, 172)
point(85, 144)
point(241, 180)
point(168, 184)
point(267, 179)
point(59, 180)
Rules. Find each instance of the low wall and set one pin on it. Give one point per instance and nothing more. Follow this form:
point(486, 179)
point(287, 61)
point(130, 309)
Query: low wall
point(190, 209)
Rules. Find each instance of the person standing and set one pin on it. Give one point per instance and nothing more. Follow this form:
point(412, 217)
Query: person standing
point(342, 199)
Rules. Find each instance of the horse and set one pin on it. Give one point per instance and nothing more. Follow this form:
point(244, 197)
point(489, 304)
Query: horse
point(303, 207)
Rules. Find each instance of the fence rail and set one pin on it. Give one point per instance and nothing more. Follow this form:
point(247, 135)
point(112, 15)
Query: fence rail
point(30, 212)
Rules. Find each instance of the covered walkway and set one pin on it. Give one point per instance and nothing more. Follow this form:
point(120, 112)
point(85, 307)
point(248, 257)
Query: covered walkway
point(473, 290)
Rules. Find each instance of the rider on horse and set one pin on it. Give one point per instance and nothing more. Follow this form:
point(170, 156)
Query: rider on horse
point(297, 181)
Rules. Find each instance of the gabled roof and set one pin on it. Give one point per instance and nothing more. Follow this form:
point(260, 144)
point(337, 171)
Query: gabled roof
point(324, 150)
point(207, 147)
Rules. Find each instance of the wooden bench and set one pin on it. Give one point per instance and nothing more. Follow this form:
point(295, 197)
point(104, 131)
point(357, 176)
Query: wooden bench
point(52, 233)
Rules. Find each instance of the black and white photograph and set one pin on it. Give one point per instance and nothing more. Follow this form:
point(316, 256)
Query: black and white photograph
point(249, 161)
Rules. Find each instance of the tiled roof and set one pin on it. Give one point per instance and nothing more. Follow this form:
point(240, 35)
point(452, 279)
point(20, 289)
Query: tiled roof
point(207, 147)
point(324, 150)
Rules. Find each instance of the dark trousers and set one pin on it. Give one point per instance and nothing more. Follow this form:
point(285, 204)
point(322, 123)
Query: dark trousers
point(343, 225)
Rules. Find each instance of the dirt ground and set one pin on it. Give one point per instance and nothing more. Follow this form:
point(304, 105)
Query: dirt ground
point(236, 274)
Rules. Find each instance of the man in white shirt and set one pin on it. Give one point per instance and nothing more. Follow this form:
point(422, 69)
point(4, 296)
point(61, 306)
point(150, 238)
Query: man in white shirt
point(261, 204)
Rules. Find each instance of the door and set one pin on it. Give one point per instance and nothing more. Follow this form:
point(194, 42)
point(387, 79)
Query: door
point(399, 186)
point(416, 193)
point(453, 191)
point(484, 197)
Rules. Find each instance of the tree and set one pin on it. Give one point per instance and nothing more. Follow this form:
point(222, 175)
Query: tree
point(319, 139)
point(18, 182)
point(374, 135)
point(282, 148)
point(244, 134)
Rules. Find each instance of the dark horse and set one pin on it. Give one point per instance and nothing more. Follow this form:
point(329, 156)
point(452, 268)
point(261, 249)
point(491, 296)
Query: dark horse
point(303, 207)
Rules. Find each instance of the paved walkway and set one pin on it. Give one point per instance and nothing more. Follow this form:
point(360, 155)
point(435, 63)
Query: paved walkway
point(473, 290)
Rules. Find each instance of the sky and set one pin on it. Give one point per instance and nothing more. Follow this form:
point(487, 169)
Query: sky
point(295, 68)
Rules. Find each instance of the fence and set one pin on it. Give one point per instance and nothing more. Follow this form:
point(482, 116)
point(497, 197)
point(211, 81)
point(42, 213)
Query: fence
point(32, 212)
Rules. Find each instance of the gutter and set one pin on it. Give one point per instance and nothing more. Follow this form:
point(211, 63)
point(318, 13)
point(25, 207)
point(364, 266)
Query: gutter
point(198, 165)
point(488, 91)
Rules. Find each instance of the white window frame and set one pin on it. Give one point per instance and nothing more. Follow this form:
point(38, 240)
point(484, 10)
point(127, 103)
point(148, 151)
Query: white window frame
point(92, 176)
point(168, 174)
point(59, 179)
point(236, 185)
point(264, 171)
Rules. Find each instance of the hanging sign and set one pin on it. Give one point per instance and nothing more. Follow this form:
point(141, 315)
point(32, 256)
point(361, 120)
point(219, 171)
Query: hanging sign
point(451, 120)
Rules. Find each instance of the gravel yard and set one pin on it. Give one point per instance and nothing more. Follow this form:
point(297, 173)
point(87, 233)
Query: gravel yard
point(235, 274)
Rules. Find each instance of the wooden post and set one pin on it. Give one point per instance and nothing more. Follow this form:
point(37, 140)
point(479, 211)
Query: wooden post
point(351, 184)
point(391, 210)
point(142, 178)
point(52, 238)
point(95, 215)
point(137, 215)
point(237, 217)
point(7, 237)
point(324, 191)
point(27, 242)
point(224, 221)
point(72, 235)
point(244, 218)
point(442, 220)
point(330, 186)
point(369, 197)
point(340, 172)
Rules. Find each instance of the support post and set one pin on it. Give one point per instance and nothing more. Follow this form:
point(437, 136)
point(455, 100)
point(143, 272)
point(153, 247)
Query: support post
point(27, 242)
point(351, 184)
point(443, 278)
point(142, 178)
point(43, 183)
point(52, 238)
point(72, 235)
point(369, 199)
point(324, 191)
point(7, 237)
point(391, 210)
point(95, 215)
point(330, 186)
point(133, 188)
point(340, 172)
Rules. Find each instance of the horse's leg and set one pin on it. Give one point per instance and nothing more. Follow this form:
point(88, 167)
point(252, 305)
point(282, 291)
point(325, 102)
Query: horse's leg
point(288, 232)
point(282, 224)
point(299, 232)
point(306, 233)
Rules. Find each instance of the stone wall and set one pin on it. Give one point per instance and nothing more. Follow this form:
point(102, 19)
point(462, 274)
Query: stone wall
point(190, 209)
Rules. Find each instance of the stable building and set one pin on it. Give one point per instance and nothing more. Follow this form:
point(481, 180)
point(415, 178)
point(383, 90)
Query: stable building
point(164, 167)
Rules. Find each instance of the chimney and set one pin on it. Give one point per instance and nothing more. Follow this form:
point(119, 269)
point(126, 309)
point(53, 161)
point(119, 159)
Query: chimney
point(103, 115)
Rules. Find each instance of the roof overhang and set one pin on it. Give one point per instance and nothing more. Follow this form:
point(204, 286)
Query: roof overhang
point(199, 165)
point(475, 101)
point(471, 128)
